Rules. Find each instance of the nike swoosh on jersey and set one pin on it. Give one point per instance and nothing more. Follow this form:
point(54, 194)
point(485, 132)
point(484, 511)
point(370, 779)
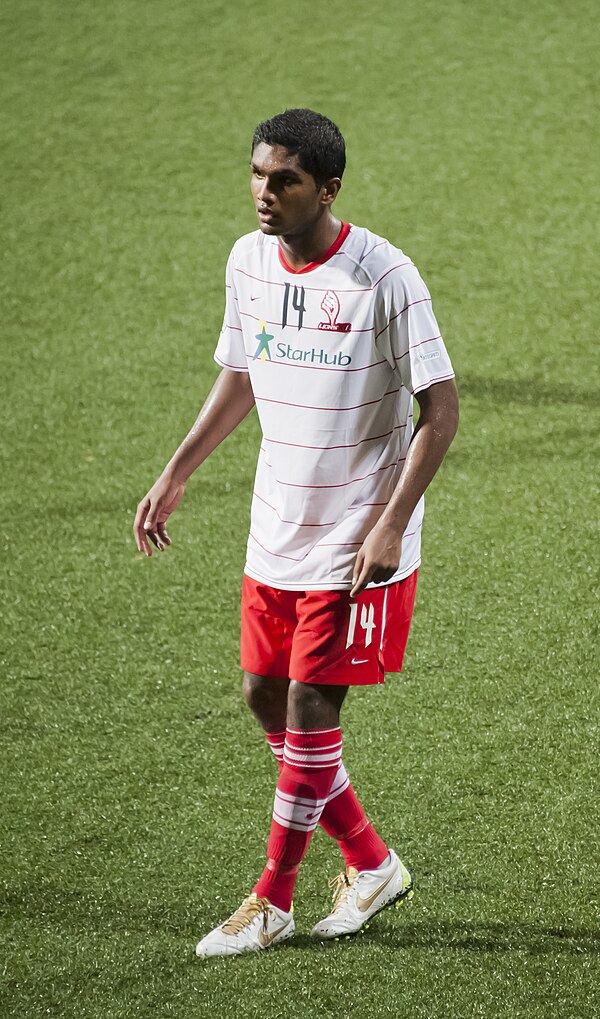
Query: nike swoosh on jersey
point(359, 661)
point(267, 939)
point(365, 904)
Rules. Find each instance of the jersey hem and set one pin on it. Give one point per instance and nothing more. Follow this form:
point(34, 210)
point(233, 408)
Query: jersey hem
point(323, 585)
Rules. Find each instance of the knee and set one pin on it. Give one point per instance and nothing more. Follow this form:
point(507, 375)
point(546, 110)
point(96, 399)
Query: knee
point(267, 699)
point(303, 701)
point(252, 691)
point(314, 706)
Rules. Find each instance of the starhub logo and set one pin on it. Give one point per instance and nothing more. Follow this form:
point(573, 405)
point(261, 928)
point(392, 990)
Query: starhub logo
point(285, 352)
point(312, 356)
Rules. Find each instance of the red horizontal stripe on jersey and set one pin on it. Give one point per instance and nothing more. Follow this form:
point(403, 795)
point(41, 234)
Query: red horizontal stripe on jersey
point(323, 290)
point(307, 406)
point(278, 555)
point(361, 504)
point(421, 342)
point(312, 329)
point(316, 368)
point(413, 345)
point(349, 445)
point(378, 245)
point(296, 523)
point(422, 300)
point(400, 265)
point(430, 382)
point(338, 544)
point(343, 484)
point(413, 566)
point(237, 329)
point(317, 290)
point(348, 544)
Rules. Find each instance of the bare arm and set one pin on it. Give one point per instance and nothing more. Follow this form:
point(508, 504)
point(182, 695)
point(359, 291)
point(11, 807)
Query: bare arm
point(378, 558)
point(229, 401)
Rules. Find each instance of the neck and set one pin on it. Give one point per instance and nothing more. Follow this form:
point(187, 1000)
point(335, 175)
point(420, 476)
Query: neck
point(303, 248)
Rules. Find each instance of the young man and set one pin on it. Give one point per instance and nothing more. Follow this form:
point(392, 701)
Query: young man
point(329, 332)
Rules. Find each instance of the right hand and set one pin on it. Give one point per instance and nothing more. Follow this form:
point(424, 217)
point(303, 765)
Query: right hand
point(153, 512)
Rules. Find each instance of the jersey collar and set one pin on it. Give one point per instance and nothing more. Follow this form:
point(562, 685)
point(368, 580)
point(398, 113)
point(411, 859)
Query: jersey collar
point(335, 247)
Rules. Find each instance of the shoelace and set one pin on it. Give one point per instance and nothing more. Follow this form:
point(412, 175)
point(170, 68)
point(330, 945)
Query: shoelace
point(341, 884)
point(245, 914)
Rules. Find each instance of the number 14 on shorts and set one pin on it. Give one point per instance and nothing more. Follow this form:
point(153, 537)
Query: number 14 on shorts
point(367, 621)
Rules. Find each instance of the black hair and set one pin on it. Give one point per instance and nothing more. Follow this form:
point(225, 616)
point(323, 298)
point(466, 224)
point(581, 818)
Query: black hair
point(316, 141)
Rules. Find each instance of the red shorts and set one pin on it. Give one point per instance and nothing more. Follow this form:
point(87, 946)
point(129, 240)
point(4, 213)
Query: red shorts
point(324, 636)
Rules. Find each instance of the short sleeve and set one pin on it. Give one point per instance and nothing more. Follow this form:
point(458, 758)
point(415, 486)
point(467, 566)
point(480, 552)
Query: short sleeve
point(230, 351)
point(411, 338)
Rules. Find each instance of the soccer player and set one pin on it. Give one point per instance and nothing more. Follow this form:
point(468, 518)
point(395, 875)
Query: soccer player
point(330, 333)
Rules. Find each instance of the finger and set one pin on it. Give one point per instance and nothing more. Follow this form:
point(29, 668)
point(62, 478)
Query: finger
point(358, 565)
point(362, 580)
point(154, 538)
point(151, 526)
point(138, 527)
point(151, 515)
point(162, 531)
point(381, 575)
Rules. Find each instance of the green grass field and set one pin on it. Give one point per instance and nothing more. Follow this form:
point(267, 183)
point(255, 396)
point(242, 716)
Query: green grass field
point(136, 789)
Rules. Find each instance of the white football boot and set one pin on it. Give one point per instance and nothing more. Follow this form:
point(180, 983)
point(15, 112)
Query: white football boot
point(257, 924)
point(359, 896)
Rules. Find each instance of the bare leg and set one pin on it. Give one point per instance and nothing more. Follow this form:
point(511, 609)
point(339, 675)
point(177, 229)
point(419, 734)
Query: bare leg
point(279, 702)
point(314, 706)
point(267, 698)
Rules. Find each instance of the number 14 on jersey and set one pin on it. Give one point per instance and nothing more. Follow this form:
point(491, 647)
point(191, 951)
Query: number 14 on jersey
point(367, 621)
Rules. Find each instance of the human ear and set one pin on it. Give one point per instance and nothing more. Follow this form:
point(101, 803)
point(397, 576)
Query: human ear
point(330, 190)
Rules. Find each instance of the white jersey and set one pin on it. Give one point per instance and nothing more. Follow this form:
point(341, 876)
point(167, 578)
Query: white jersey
point(335, 353)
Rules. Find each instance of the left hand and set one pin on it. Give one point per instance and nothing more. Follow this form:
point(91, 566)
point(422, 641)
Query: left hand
point(378, 558)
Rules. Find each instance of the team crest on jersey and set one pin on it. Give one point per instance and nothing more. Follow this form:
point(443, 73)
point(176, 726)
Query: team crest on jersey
point(331, 306)
point(263, 337)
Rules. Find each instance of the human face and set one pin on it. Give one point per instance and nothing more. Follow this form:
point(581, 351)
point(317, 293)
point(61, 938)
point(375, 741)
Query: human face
point(287, 199)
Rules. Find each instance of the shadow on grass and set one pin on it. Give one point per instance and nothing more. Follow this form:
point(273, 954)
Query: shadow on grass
point(529, 392)
point(471, 937)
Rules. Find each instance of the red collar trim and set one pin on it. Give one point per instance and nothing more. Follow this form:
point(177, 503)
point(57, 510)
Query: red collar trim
point(335, 247)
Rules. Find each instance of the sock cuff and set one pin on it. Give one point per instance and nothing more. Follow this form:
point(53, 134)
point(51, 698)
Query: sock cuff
point(310, 732)
point(313, 748)
point(275, 739)
point(313, 739)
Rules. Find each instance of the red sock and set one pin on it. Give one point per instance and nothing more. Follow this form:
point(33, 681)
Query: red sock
point(276, 741)
point(310, 764)
point(345, 820)
point(343, 817)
